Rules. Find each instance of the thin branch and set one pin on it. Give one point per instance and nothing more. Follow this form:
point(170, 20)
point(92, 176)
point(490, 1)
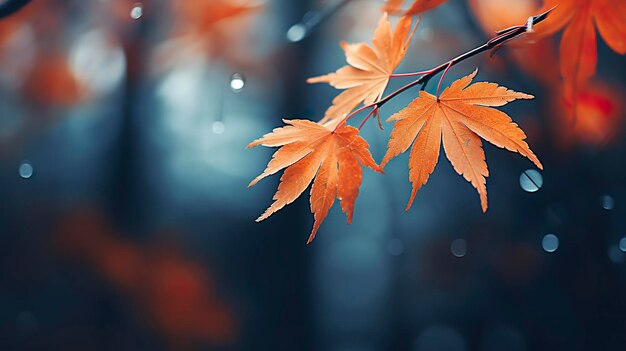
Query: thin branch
point(502, 37)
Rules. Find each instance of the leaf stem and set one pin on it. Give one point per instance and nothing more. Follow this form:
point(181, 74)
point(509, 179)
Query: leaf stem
point(443, 75)
point(502, 37)
point(370, 114)
point(412, 74)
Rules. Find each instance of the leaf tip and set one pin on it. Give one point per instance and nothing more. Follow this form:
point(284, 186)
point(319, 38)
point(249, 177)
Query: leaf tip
point(473, 74)
point(311, 237)
point(413, 193)
point(349, 218)
point(264, 216)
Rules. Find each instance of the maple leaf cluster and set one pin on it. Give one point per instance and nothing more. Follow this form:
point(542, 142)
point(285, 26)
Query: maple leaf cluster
point(578, 19)
point(330, 154)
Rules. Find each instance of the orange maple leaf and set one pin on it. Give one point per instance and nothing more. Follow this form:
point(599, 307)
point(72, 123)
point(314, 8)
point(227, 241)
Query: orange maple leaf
point(369, 69)
point(459, 117)
point(418, 6)
point(311, 150)
point(578, 47)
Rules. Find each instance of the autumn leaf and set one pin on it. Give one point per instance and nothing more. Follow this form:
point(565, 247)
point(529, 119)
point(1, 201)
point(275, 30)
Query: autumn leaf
point(599, 117)
point(459, 118)
point(497, 15)
point(175, 294)
point(200, 17)
point(52, 81)
point(217, 28)
point(369, 69)
point(311, 150)
point(578, 48)
point(395, 6)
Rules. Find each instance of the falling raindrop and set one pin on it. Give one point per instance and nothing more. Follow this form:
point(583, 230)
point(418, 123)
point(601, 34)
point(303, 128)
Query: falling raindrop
point(296, 33)
point(458, 247)
point(26, 170)
point(531, 180)
point(237, 82)
point(218, 127)
point(550, 243)
point(137, 11)
point(607, 202)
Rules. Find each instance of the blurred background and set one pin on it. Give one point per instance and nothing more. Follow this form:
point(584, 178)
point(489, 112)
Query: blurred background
point(126, 223)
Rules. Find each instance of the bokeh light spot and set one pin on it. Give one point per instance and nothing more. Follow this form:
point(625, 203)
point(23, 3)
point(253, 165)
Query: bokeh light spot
point(26, 170)
point(296, 33)
point(531, 180)
point(237, 82)
point(458, 247)
point(218, 127)
point(550, 243)
point(137, 11)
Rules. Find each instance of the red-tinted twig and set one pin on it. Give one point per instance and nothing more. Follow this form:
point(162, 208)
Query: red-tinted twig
point(502, 36)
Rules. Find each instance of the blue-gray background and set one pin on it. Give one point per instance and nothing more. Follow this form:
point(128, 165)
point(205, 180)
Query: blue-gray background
point(157, 153)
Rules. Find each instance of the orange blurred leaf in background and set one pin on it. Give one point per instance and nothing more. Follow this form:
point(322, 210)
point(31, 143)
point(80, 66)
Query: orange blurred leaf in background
point(215, 22)
point(52, 81)
point(176, 294)
point(578, 48)
point(593, 113)
point(494, 15)
point(599, 117)
point(394, 7)
point(202, 16)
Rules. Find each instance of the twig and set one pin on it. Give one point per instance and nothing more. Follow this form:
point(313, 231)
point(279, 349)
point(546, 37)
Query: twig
point(502, 36)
